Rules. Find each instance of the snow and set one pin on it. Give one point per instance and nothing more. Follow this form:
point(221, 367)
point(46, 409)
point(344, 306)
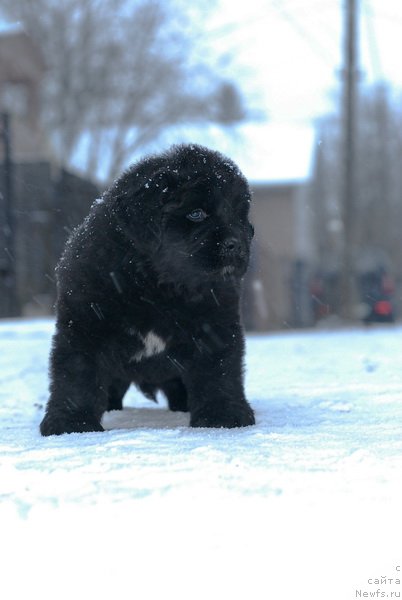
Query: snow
point(9, 28)
point(306, 504)
point(264, 151)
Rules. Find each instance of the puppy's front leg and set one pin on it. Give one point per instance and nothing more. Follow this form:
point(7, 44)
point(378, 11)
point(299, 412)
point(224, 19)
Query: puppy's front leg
point(77, 397)
point(216, 394)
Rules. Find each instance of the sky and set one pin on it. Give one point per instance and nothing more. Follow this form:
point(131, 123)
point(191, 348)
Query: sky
point(287, 55)
point(290, 51)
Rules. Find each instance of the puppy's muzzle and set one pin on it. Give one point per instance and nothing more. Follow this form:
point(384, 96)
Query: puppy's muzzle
point(231, 247)
point(233, 254)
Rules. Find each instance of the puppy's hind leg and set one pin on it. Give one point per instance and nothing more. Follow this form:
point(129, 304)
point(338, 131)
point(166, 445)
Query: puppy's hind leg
point(176, 395)
point(117, 391)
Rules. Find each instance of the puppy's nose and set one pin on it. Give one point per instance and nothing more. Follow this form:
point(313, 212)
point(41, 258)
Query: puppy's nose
point(231, 245)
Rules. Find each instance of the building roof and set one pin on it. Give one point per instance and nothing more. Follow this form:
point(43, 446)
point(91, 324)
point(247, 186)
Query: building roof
point(7, 27)
point(20, 58)
point(265, 151)
point(274, 153)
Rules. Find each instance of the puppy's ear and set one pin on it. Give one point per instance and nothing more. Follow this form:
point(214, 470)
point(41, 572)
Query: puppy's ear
point(175, 188)
point(140, 204)
point(167, 184)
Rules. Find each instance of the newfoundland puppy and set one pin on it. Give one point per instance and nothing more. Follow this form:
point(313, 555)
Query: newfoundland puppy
point(148, 292)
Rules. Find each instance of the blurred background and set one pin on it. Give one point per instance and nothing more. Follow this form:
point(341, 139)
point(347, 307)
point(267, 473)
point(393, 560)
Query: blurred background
point(305, 95)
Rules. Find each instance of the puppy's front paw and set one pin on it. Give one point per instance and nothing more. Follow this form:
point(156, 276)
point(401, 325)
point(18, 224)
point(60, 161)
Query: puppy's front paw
point(232, 416)
point(58, 425)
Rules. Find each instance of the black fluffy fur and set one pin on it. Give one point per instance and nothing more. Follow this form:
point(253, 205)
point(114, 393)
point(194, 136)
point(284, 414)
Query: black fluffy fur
point(148, 292)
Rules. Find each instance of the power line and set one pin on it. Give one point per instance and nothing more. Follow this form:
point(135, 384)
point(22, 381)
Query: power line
point(394, 19)
point(375, 57)
point(230, 28)
point(319, 50)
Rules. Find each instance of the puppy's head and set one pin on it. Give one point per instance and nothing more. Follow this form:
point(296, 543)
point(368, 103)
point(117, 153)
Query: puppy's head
point(187, 210)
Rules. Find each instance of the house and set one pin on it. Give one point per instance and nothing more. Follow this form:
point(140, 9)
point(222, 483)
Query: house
point(21, 70)
point(40, 201)
point(277, 286)
point(48, 201)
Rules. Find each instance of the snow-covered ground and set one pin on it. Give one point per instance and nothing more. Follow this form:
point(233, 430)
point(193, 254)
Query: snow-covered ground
point(306, 504)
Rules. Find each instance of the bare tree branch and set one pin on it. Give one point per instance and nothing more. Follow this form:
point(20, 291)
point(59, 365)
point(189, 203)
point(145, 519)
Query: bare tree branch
point(120, 73)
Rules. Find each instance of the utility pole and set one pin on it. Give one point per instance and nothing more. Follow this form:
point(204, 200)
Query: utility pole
point(9, 270)
point(348, 199)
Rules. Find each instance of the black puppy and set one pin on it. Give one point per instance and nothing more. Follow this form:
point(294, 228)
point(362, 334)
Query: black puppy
point(148, 292)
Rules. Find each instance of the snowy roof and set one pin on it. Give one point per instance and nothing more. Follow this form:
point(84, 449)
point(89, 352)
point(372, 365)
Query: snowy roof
point(265, 151)
point(274, 152)
point(10, 28)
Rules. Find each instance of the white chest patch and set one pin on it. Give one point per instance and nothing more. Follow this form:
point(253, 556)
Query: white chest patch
point(153, 344)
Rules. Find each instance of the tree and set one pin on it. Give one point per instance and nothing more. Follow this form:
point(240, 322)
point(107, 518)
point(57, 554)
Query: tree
point(378, 208)
point(119, 73)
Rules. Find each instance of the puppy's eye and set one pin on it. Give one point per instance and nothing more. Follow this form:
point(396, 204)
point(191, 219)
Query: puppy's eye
point(197, 215)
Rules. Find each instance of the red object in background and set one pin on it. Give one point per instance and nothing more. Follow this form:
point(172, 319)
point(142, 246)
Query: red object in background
point(383, 308)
